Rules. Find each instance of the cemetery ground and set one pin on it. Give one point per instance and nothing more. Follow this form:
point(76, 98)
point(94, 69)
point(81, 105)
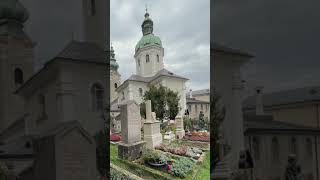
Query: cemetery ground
point(139, 169)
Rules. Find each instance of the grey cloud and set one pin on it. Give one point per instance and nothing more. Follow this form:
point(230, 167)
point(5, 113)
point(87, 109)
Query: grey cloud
point(283, 35)
point(184, 31)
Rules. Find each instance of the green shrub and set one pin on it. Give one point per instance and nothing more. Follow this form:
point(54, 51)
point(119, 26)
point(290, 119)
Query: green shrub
point(154, 157)
point(182, 167)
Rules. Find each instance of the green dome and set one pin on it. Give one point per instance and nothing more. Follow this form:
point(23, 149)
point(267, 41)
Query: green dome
point(148, 40)
point(13, 9)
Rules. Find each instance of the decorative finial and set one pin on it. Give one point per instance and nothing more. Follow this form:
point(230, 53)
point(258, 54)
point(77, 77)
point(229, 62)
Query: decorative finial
point(146, 8)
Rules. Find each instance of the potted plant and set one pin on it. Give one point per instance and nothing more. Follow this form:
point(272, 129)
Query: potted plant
point(155, 158)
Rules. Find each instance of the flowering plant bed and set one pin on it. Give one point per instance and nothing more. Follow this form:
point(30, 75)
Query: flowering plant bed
point(198, 136)
point(192, 152)
point(115, 138)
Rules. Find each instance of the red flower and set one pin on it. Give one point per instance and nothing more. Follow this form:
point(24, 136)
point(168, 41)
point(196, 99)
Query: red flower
point(115, 137)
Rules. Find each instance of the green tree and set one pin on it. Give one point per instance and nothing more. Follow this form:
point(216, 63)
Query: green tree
point(217, 114)
point(158, 100)
point(160, 97)
point(173, 103)
point(201, 121)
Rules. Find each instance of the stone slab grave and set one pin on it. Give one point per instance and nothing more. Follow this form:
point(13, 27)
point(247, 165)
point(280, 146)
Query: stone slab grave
point(130, 147)
point(68, 152)
point(152, 134)
point(180, 133)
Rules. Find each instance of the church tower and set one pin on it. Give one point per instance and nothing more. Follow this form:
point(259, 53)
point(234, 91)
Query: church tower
point(16, 59)
point(95, 21)
point(114, 76)
point(149, 51)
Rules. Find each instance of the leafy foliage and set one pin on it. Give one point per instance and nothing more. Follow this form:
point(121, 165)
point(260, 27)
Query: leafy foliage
point(160, 98)
point(217, 114)
point(102, 152)
point(154, 157)
point(182, 167)
point(201, 120)
point(187, 123)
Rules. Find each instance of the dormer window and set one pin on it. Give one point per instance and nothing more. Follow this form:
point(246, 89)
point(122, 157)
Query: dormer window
point(147, 58)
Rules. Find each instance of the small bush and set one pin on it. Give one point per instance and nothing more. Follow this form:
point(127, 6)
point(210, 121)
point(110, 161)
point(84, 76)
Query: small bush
point(154, 157)
point(182, 167)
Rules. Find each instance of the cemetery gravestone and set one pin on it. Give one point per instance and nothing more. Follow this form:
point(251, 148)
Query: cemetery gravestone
point(131, 145)
point(179, 127)
point(151, 127)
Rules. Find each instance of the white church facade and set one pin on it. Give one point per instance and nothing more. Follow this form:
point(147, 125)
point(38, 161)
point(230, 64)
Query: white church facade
point(150, 70)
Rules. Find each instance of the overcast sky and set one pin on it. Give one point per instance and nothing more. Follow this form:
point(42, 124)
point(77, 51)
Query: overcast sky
point(182, 25)
point(283, 35)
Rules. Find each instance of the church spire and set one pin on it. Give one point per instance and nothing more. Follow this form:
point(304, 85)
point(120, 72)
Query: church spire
point(113, 64)
point(147, 25)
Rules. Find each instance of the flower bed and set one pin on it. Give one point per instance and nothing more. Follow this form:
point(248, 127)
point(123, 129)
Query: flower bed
point(186, 151)
point(115, 138)
point(198, 136)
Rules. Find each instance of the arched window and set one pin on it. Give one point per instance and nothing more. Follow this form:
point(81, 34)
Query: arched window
point(147, 58)
point(293, 146)
point(140, 92)
point(18, 76)
point(189, 107)
point(196, 108)
point(309, 152)
point(115, 85)
point(256, 148)
point(158, 59)
point(93, 7)
point(97, 95)
point(275, 148)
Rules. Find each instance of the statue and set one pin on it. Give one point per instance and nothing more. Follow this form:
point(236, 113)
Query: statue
point(201, 121)
point(293, 171)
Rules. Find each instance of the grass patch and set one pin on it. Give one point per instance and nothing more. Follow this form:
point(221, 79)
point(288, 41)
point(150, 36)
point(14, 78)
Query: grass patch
point(204, 172)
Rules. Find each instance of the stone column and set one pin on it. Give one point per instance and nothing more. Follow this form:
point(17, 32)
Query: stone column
point(237, 140)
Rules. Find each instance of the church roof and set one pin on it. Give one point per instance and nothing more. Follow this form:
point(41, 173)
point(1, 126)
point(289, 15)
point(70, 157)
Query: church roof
point(74, 51)
point(83, 51)
point(265, 123)
point(195, 101)
point(299, 95)
point(148, 40)
point(161, 73)
point(215, 47)
point(199, 92)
